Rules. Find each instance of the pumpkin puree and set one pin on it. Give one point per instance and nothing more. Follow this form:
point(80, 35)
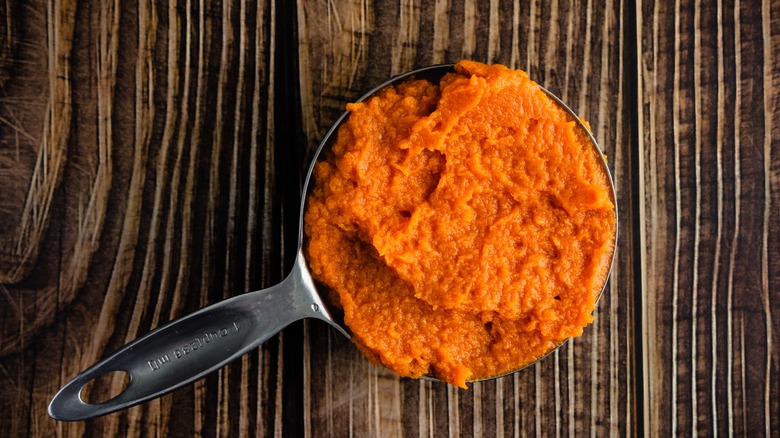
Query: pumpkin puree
point(466, 229)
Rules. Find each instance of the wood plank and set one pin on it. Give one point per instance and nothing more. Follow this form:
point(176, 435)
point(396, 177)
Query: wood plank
point(576, 50)
point(709, 257)
point(181, 219)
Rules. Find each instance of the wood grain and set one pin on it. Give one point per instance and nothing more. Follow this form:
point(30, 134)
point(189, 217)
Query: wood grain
point(710, 242)
point(151, 160)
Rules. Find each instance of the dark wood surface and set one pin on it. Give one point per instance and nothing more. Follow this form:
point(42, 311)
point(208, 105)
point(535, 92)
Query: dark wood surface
point(151, 161)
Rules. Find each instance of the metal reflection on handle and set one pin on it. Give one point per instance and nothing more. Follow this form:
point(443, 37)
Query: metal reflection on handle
point(191, 347)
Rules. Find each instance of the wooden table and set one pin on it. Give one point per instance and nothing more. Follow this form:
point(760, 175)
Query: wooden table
point(151, 159)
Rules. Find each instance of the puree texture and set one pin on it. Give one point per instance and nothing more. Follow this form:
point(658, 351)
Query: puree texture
point(466, 229)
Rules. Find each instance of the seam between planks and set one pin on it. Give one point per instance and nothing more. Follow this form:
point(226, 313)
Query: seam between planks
point(639, 225)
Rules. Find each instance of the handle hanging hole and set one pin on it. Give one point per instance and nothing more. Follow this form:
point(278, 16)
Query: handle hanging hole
point(104, 387)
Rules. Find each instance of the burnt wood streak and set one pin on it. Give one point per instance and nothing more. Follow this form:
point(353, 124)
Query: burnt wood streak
point(151, 162)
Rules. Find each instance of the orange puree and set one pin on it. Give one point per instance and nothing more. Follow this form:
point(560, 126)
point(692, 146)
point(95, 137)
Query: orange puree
point(466, 228)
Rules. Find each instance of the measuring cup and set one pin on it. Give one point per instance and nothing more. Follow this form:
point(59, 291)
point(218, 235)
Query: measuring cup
point(189, 348)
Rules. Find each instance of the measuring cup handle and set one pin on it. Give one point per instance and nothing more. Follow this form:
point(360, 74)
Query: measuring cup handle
point(188, 348)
